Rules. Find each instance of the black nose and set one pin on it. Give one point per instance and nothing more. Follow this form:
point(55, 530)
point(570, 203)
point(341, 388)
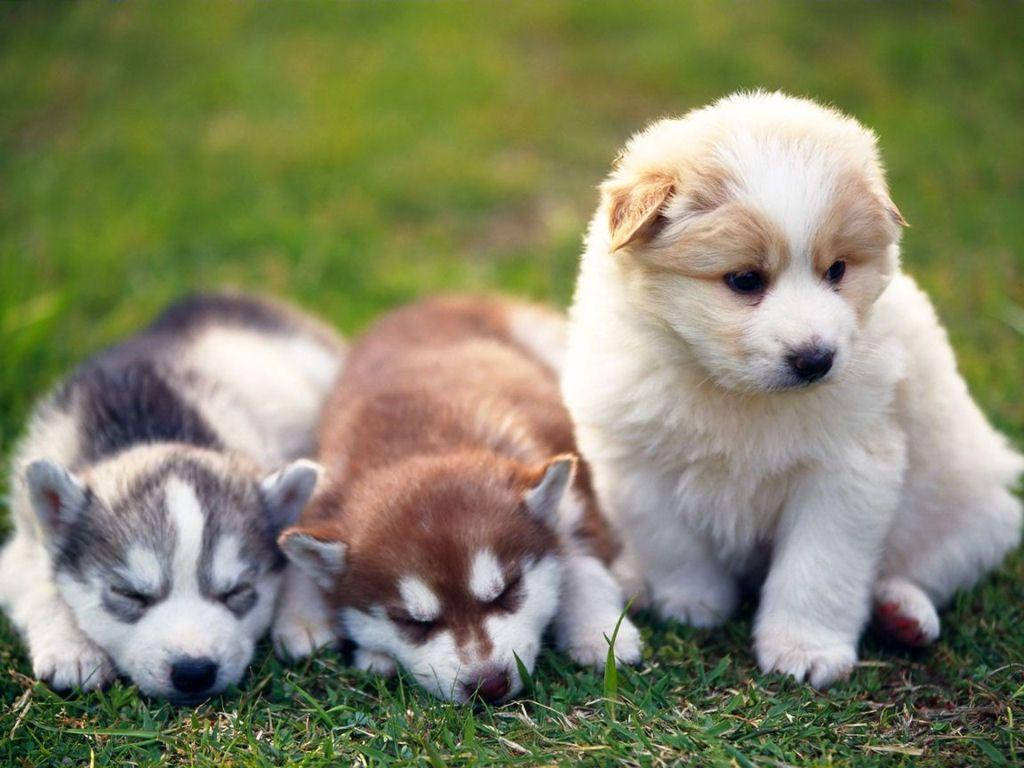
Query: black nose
point(193, 675)
point(811, 363)
point(491, 686)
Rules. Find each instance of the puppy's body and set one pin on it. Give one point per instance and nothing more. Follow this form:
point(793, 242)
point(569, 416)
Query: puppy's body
point(452, 535)
point(144, 515)
point(712, 447)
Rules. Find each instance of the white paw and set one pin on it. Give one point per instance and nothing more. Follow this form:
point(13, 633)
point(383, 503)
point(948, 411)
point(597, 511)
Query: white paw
point(296, 636)
point(632, 583)
point(905, 613)
point(373, 661)
point(698, 596)
point(819, 663)
point(72, 662)
point(587, 645)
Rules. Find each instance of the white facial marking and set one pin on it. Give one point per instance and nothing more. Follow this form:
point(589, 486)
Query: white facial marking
point(226, 563)
point(486, 580)
point(420, 601)
point(184, 510)
point(444, 668)
point(142, 570)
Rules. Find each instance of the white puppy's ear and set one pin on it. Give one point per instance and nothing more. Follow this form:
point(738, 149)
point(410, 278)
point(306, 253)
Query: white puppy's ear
point(58, 497)
point(895, 215)
point(634, 207)
point(286, 492)
point(543, 498)
point(320, 558)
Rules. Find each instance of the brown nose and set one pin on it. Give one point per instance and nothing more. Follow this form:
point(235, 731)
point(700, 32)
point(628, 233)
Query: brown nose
point(492, 685)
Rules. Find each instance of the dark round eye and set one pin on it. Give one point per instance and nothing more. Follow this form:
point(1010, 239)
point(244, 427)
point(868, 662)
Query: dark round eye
point(131, 594)
point(751, 281)
point(835, 273)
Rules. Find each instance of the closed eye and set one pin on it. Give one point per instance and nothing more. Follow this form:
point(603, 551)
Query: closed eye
point(408, 621)
point(239, 598)
point(509, 593)
point(133, 595)
point(418, 630)
point(235, 591)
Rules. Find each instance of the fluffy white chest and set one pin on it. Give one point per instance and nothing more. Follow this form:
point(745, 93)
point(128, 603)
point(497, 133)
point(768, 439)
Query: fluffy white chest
point(673, 452)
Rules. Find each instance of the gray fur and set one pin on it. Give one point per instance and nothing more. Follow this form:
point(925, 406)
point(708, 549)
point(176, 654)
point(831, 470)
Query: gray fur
point(176, 401)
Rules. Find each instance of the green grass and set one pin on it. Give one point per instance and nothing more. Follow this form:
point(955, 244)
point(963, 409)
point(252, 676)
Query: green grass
point(354, 156)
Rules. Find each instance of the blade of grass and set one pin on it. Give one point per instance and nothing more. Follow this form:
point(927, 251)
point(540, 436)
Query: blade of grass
point(524, 675)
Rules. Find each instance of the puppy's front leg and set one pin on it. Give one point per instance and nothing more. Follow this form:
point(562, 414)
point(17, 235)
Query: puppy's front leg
point(816, 599)
point(591, 606)
point(61, 653)
point(303, 622)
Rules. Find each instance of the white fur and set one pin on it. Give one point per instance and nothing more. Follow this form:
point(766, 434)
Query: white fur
point(486, 580)
point(261, 392)
point(591, 607)
point(267, 417)
point(375, 663)
point(420, 601)
point(541, 331)
point(185, 623)
point(440, 665)
point(886, 469)
point(303, 622)
point(143, 571)
point(60, 652)
point(912, 604)
point(189, 521)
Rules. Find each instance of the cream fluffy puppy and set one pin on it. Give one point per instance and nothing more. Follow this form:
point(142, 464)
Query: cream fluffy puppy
point(761, 392)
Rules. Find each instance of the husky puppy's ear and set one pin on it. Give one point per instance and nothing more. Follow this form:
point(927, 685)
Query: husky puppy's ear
point(286, 492)
point(634, 207)
point(58, 497)
point(319, 557)
point(544, 497)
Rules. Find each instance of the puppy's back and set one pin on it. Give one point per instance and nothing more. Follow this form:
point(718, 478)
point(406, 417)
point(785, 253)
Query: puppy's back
point(455, 374)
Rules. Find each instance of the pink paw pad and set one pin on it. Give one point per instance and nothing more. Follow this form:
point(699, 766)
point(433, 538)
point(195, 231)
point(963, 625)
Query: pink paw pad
point(905, 629)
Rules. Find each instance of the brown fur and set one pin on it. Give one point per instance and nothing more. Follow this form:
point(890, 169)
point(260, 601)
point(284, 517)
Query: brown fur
point(438, 426)
point(858, 229)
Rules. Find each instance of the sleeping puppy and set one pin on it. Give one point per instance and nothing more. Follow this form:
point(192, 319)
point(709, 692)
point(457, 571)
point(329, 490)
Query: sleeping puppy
point(760, 391)
point(455, 524)
point(148, 492)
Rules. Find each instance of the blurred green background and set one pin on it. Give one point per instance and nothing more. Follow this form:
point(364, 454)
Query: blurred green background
point(354, 155)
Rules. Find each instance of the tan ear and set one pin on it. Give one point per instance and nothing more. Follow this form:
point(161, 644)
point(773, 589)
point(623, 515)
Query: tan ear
point(895, 215)
point(634, 207)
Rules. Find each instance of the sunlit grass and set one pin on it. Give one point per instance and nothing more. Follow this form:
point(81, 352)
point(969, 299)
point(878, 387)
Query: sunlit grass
point(352, 156)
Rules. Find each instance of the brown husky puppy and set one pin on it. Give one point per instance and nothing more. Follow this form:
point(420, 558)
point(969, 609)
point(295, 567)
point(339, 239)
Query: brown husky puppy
point(456, 523)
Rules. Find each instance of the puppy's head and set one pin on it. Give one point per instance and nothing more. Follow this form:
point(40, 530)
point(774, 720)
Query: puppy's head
point(760, 231)
point(168, 559)
point(450, 566)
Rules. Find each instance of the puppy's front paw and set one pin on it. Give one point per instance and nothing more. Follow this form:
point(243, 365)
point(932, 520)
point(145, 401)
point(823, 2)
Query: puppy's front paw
point(819, 662)
point(587, 645)
point(375, 662)
point(297, 636)
point(701, 596)
point(72, 662)
point(905, 613)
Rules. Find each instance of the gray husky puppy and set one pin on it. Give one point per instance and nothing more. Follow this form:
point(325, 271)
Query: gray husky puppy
point(149, 490)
